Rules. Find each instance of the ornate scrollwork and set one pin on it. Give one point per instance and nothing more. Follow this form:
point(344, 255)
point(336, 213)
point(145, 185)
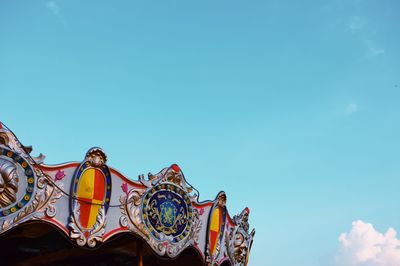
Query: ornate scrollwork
point(162, 213)
point(8, 139)
point(131, 212)
point(46, 197)
point(172, 174)
point(84, 236)
point(242, 219)
point(239, 240)
point(41, 205)
point(92, 191)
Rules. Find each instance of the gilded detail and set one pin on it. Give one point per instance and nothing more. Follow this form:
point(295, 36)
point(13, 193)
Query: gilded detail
point(8, 183)
point(167, 211)
point(96, 157)
point(240, 248)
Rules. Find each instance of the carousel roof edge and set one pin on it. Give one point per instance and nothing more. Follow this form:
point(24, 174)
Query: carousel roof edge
point(74, 164)
point(91, 202)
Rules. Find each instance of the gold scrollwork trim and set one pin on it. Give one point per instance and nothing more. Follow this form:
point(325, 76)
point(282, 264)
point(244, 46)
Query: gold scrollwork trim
point(42, 204)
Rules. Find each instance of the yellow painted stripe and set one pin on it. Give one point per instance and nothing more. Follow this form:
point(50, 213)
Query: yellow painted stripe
point(215, 221)
point(94, 210)
point(86, 184)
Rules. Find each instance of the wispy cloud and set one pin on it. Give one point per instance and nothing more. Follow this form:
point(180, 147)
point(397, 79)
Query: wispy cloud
point(356, 23)
point(361, 29)
point(365, 246)
point(53, 7)
point(352, 108)
point(373, 49)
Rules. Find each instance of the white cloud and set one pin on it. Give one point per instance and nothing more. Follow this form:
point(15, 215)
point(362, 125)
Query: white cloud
point(363, 31)
point(54, 7)
point(373, 49)
point(356, 23)
point(352, 108)
point(365, 246)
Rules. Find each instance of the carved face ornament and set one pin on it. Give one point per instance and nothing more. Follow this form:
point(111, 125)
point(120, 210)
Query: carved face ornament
point(240, 248)
point(222, 200)
point(246, 217)
point(96, 157)
point(8, 183)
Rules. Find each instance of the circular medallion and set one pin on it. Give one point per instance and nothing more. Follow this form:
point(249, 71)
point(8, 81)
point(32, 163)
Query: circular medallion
point(167, 211)
point(17, 182)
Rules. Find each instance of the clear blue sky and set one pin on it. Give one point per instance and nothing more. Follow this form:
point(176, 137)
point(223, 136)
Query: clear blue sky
point(291, 107)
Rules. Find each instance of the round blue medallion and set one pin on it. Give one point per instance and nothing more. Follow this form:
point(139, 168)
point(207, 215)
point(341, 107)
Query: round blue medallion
point(24, 186)
point(167, 210)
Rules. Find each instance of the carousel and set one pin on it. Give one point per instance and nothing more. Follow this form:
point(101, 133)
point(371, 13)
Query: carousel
point(88, 213)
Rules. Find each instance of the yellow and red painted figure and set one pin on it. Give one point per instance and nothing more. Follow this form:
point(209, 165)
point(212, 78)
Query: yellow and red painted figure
point(90, 194)
point(91, 189)
point(216, 225)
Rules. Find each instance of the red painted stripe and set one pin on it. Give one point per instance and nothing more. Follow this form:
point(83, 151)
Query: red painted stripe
point(57, 167)
point(205, 204)
point(115, 231)
point(76, 164)
point(99, 186)
point(129, 181)
point(200, 251)
point(84, 211)
point(56, 223)
point(213, 240)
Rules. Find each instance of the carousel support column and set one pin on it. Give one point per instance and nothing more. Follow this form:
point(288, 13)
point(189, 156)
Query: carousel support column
point(139, 253)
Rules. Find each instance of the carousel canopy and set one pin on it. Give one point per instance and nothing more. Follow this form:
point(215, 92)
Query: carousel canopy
point(89, 213)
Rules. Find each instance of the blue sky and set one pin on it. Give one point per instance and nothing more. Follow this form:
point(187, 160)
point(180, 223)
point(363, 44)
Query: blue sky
point(291, 107)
